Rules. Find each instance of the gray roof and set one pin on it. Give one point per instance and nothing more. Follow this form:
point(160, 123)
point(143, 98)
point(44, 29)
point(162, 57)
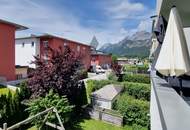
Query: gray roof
point(18, 27)
point(108, 92)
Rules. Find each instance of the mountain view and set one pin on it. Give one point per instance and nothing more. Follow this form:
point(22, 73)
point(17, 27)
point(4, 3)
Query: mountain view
point(136, 45)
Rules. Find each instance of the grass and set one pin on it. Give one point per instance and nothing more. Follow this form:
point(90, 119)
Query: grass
point(32, 128)
point(4, 90)
point(90, 124)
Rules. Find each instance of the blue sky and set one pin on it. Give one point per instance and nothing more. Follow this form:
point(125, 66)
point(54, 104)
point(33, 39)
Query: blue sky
point(108, 20)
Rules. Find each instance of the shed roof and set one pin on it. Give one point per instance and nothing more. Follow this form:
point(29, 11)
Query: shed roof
point(108, 92)
point(18, 27)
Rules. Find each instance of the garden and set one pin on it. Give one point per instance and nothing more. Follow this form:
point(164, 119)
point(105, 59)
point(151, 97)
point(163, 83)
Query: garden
point(58, 85)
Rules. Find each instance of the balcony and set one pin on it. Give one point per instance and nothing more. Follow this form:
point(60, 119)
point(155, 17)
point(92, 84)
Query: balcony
point(164, 7)
point(169, 111)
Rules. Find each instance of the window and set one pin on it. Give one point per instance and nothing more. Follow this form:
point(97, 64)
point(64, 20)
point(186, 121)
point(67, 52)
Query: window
point(84, 48)
point(23, 44)
point(32, 44)
point(45, 44)
point(65, 44)
point(78, 48)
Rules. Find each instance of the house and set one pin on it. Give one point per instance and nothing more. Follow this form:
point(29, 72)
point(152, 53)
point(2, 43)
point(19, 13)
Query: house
point(25, 50)
point(105, 96)
point(102, 59)
point(122, 61)
point(169, 110)
point(31, 46)
point(7, 49)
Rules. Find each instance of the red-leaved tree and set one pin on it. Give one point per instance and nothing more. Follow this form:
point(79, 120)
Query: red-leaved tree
point(60, 73)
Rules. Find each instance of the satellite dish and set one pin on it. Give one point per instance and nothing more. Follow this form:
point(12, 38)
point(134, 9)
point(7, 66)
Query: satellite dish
point(94, 43)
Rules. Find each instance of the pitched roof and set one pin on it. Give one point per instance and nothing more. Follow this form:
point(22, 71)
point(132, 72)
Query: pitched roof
point(108, 92)
point(18, 27)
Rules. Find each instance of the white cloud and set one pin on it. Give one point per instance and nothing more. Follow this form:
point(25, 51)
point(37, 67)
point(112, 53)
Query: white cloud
point(124, 9)
point(145, 25)
point(46, 19)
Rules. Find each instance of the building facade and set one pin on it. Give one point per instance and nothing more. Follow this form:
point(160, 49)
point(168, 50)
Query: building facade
point(26, 49)
point(7, 49)
point(37, 46)
point(103, 60)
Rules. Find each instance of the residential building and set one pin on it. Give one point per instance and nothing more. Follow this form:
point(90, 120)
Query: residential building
point(169, 110)
point(26, 49)
point(104, 60)
point(36, 46)
point(7, 49)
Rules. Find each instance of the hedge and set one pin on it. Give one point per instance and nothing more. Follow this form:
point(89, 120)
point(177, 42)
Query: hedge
point(133, 110)
point(138, 90)
point(137, 78)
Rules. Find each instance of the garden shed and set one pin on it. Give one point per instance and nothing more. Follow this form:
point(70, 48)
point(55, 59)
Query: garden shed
point(105, 96)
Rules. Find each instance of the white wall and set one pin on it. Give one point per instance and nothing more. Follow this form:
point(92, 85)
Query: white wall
point(24, 54)
point(102, 103)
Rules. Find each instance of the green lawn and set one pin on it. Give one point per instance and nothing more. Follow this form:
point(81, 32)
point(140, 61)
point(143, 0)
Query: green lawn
point(4, 90)
point(90, 124)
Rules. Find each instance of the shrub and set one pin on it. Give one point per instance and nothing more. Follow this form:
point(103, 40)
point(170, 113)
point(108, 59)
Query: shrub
point(138, 90)
point(11, 108)
point(137, 78)
point(112, 77)
point(143, 69)
point(130, 68)
point(83, 74)
point(133, 110)
point(50, 100)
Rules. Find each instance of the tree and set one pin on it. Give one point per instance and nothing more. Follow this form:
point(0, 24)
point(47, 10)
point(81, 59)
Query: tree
point(50, 100)
point(60, 73)
point(114, 58)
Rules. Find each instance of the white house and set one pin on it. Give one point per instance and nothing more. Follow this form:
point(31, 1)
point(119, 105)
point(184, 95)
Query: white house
point(25, 50)
point(105, 96)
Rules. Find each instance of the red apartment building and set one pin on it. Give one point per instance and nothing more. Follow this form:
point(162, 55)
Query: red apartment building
point(101, 59)
point(7, 49)
point(55, 42)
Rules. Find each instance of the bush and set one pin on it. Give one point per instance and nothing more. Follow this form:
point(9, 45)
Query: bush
point(143, 69)
point(133, 110)
point(130, 68)
point(138, 90)
point(112, 77)
point(83, 74)
point(50, 100)
point(137, 78)
point(11, 108)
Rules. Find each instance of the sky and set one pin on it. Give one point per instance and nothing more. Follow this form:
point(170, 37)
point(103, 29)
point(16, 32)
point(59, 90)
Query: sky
point(109, 20)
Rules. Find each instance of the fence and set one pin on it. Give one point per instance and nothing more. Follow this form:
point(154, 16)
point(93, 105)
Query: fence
point(30, 119)
point(105, 115)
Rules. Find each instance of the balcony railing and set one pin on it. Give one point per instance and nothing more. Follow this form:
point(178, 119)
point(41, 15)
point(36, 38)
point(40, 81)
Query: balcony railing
point(169, 111)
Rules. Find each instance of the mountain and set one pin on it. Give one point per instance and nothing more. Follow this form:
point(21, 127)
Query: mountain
point(136, 45)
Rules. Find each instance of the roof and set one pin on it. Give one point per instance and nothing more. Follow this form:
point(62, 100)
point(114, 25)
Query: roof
point(53, 36)
point(108, 92)
point(50, 36)
point(97, 52)
point(123, 59)
point(18, 27)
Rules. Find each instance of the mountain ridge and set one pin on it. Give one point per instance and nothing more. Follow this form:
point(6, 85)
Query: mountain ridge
point(136, 45)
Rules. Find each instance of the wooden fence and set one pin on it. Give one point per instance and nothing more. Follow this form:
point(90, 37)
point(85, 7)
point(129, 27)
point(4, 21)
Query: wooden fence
point(30, 119)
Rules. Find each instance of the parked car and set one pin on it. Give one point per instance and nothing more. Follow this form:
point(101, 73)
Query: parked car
point(98, 69)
